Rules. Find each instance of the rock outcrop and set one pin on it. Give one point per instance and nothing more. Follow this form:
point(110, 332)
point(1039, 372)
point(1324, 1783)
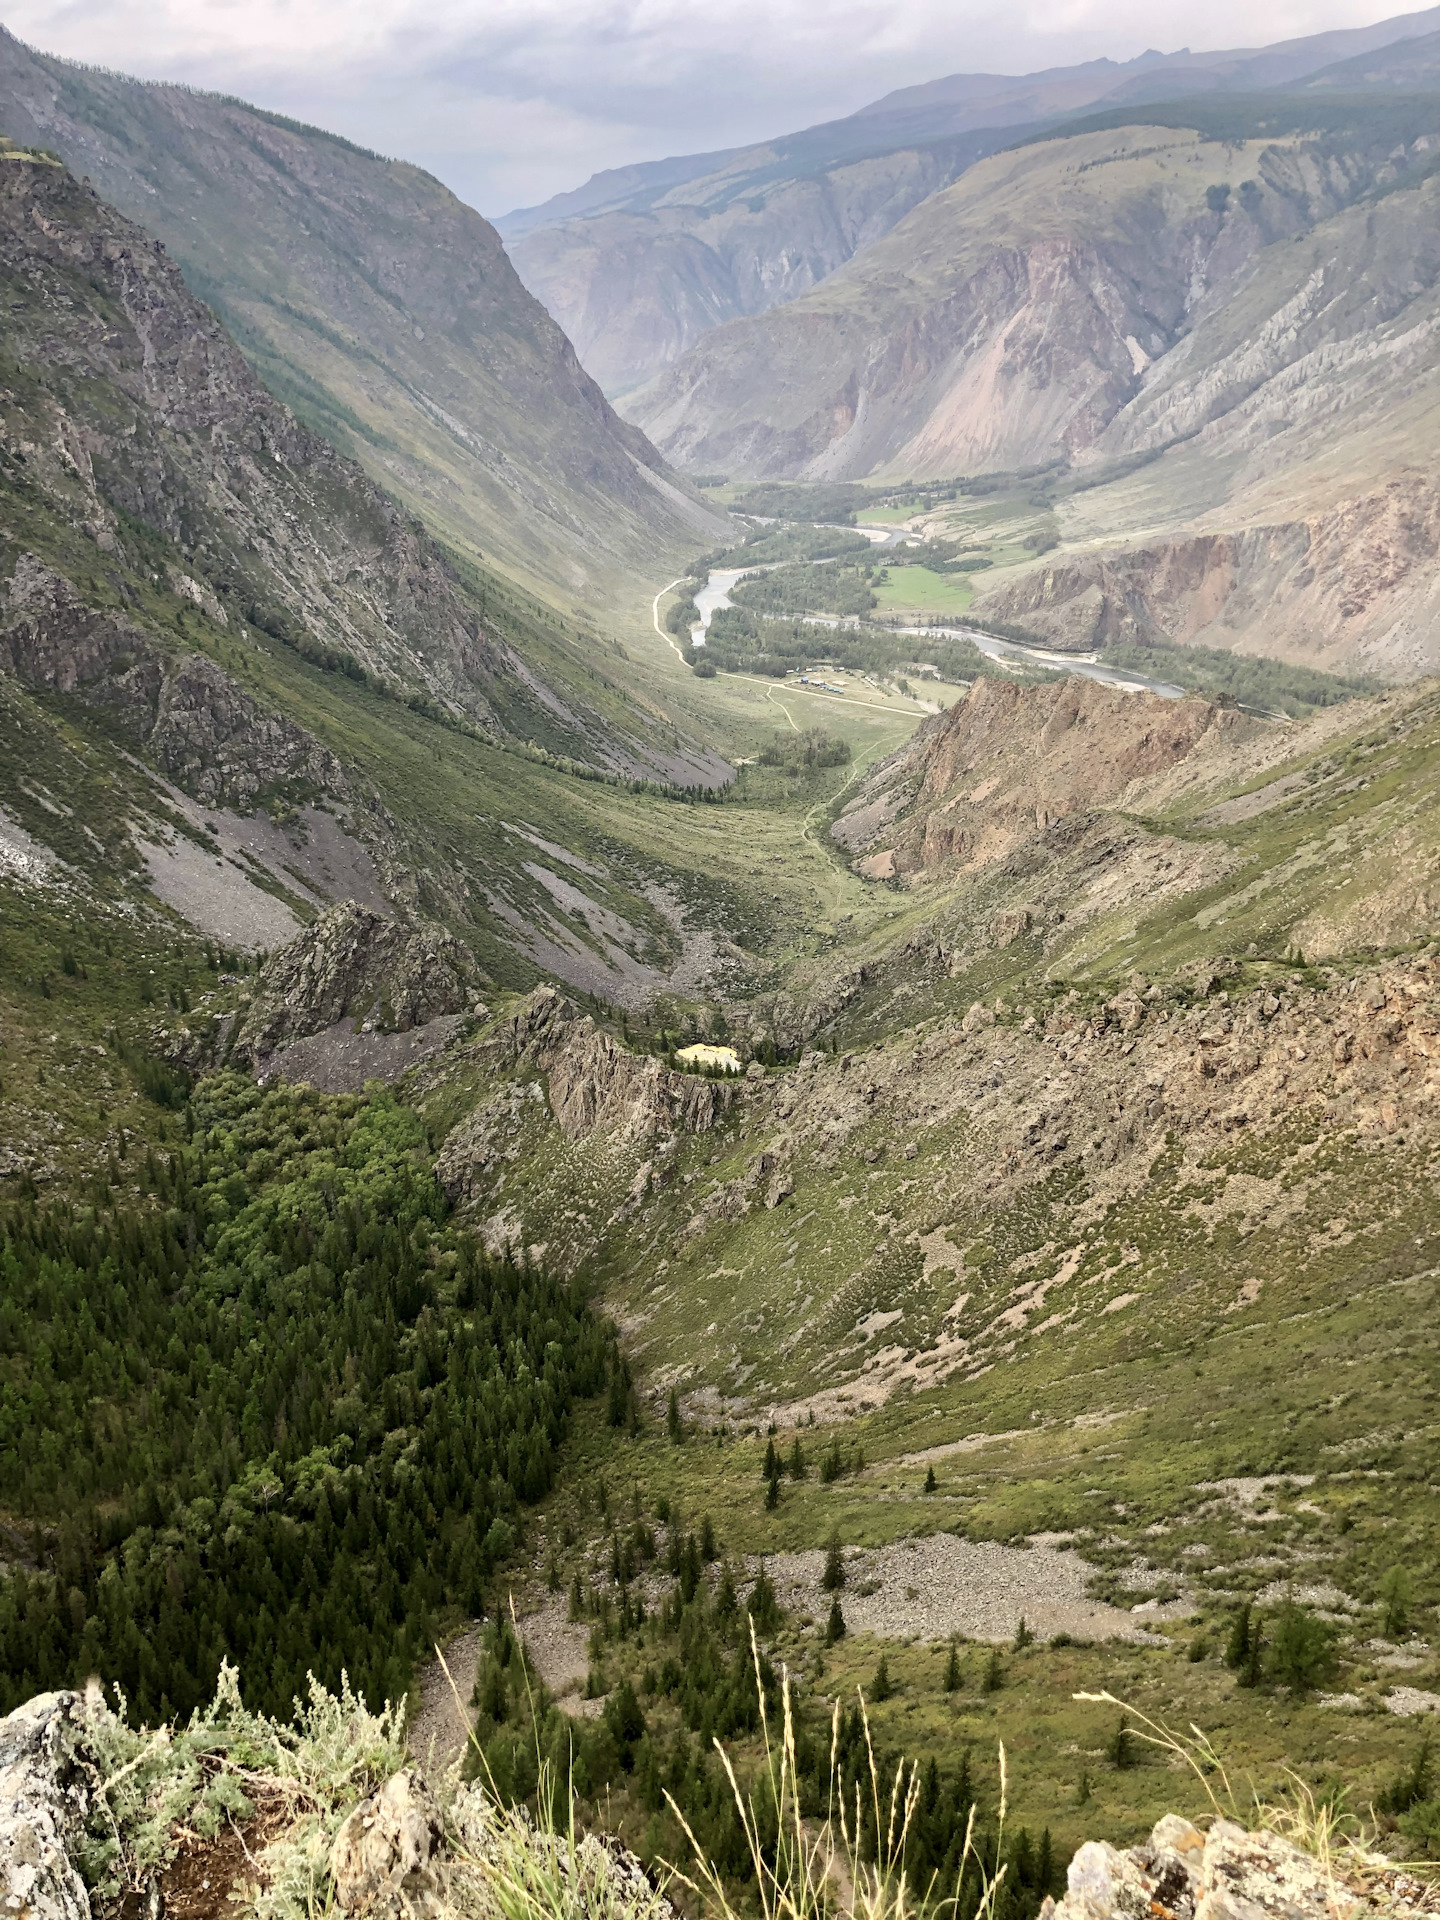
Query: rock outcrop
point(355, 965)
point(1228, 1873)
point(597, 1091)
point(151, 412)
point(44, 1798)
point(182, 710)
point(1344, 586)
point(1008, 762)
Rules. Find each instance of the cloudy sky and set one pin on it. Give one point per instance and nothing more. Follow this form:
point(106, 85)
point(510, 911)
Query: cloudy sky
point(510, 101)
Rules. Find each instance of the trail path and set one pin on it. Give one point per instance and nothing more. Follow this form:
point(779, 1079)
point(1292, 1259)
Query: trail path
point(655, 617)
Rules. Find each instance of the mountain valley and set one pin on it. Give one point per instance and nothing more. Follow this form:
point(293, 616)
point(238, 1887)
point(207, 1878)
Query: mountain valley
point(702, 1151)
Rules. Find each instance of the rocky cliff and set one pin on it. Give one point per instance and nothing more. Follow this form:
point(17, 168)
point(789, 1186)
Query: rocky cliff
point(359, 968)
point(1303, 407)
point(600, 1095)
point(1007, 762)
point(1006, 322)
point(133, 410)
point(382, 308)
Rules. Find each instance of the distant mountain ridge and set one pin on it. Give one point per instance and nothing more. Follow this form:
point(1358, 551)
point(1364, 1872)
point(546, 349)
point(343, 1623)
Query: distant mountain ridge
point(640, 262)
point(384, 310)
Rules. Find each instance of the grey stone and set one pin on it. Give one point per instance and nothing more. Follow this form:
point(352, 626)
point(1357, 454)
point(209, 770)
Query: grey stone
point(43, 1802)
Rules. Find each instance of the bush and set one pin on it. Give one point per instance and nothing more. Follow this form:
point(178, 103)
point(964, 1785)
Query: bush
point(1302, 1651)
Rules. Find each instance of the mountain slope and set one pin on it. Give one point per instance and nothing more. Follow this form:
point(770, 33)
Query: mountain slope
point(237, 682)
point(383, 309)
point(1003, 324)
point(641, 261)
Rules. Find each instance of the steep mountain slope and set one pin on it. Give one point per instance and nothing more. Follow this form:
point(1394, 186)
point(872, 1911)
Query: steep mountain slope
point(640, 262)
point(1289, 505)
point(237, 681)
point(634, 289)
point(1006, 321)
point(380, 307)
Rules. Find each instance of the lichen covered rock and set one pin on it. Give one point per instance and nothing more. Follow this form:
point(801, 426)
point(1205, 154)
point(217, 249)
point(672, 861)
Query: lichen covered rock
point(43, 1802)
point(355, 964)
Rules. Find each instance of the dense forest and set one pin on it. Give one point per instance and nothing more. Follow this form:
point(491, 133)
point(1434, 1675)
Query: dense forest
point(740, 641)
point(260, 1401)
point(1251, 680)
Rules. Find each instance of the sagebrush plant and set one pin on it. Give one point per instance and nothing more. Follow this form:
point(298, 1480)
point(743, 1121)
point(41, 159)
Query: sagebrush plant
point(148, 1785)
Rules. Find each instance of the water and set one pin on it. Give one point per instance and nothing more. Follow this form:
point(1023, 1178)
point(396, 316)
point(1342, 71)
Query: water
point(1085, 664)
point(713, 595)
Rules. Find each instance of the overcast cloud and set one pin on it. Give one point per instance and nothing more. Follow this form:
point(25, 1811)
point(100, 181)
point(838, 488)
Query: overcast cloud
point(510, 101)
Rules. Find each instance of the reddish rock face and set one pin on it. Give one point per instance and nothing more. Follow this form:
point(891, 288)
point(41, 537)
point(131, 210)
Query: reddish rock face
point(1008, 762)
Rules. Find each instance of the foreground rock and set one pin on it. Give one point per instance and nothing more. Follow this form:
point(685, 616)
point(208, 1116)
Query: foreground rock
point(43, 1804)
point(1229, 1874)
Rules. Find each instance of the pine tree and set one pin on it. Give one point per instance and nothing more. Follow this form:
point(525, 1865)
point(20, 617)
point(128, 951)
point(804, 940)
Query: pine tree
point(1237, 1647)
point(930, 1482)
point(771, 1468)
point(952, 1670)
point(835, 1628)
point(833, 1577)
point(674, 1426)
point(797, 1461)
point(880, 1687)
point(764, 1607)
point(994, 1673)
point(772, 1494)
point(1023, 1636)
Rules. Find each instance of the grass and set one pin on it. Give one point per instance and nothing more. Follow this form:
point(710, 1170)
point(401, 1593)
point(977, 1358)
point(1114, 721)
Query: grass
point(920, 590)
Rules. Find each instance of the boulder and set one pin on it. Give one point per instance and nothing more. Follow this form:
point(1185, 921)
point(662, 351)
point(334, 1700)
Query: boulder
point(383, 1859)
point(43, 1804)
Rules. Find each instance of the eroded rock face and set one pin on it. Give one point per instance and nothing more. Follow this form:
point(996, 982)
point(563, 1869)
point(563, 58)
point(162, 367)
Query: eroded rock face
point(1009, 762)
point(197, 723)
point(597, 1090)
point(1342, 587)
point(381, 1859)
point(356, 964)
point(43, 1801)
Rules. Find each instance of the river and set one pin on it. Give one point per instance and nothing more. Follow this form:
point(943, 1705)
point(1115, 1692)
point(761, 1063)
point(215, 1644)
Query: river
point(716, 594)
point(1085, 664)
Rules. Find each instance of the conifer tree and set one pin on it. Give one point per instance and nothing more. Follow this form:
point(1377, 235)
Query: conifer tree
point(833, 1576)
